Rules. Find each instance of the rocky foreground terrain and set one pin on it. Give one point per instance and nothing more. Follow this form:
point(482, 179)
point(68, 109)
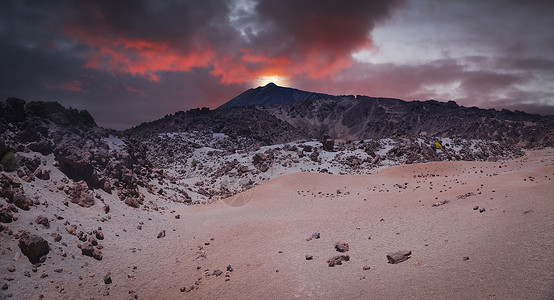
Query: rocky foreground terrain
point(84, 210)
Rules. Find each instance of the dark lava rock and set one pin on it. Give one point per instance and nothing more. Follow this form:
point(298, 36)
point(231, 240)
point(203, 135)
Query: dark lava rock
point(6, 215)
point(341, 246)
point(337, 260)
point(81, 195)
point(33, 246)
point(398, 257)
point(108, 278)
point(57, 237)
point(89, 250)
point(43, 221)
point(132, 202)
point(22, 201)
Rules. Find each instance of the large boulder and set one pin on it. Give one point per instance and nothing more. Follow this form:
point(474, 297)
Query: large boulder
point(81, 195)
point(33, 246)
point(6, 215)
point(22, 201)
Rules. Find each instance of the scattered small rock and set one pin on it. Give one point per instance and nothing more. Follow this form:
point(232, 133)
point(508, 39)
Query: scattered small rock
point(309, 257)
point(342, 246)
point(217, 272)
point(43, 221)
point(57, 237)
point(315, 235)
point(108, 278)
point(89, 250)
point(337, 260)
point(482, 210)
point(465, 258)
point(398, 257)
point(72, 229)
point(366, 267)
point(229, 268)
point(161, 234)
point(11, 268)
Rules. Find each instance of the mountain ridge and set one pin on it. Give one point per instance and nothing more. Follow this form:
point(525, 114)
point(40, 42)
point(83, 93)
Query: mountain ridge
point(271, 94)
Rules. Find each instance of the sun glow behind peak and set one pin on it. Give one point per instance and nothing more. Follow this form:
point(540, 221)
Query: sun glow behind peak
point(277, 79)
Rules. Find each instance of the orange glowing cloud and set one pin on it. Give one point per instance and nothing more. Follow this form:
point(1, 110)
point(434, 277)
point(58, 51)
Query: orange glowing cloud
point(295, 39)
point(248, 67)
point(138, 57)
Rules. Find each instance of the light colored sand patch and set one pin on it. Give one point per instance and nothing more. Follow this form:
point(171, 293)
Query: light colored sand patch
point(263, 237)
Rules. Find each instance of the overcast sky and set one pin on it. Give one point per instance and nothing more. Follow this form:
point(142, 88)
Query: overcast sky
point(133, 61)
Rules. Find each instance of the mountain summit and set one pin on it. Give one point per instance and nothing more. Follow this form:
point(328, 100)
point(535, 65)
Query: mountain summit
point(271, 94)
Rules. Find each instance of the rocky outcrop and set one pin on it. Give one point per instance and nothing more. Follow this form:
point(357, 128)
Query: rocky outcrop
point(81, 149)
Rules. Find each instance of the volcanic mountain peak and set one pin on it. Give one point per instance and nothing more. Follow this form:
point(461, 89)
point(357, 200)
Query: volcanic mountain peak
point(271, 94)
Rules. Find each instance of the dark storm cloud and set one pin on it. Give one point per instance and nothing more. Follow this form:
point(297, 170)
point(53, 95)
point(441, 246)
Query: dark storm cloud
point(445, 79)
point(133, 61)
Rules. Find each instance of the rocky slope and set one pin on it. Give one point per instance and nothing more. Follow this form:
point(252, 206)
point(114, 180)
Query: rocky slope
point(366, 117)
point(93, 157)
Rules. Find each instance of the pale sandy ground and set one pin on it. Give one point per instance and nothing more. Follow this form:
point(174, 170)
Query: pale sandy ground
point(262, 234)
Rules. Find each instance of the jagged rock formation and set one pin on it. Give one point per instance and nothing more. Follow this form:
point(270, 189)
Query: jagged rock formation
point(366, 117)
point(82, 150)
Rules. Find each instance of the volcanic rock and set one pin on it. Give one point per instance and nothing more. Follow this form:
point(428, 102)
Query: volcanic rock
point(6, 215)
point(80, 194)
point(22, 201)
point(108, 278)
point(398, 257)
point(341, 246)
point(33, 246)
point(337, 260)
point(43, 221)
point(89, 250)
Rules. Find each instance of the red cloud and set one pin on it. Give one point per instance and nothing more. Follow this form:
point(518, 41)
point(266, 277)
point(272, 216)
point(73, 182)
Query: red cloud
point(74, 86)
point(310, 38)
point(139, 56)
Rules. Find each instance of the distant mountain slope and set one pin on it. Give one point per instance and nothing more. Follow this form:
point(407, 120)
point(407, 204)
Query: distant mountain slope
point(360, 117)
point(364, 117)
point(256, 125)
point(271, 94)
